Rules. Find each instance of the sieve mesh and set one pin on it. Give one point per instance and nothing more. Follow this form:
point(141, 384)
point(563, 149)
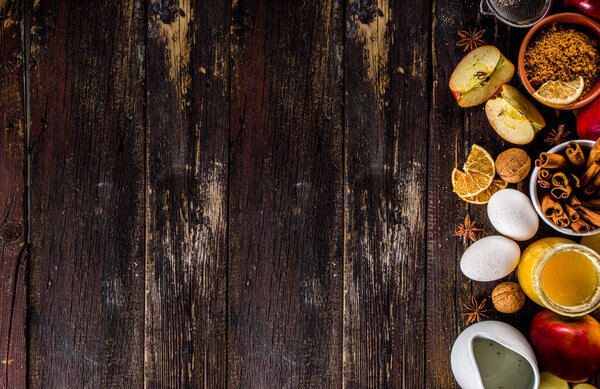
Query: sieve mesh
point(520, 12)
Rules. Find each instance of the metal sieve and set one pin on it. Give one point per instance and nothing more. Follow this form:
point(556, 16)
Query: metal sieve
point(516, 13)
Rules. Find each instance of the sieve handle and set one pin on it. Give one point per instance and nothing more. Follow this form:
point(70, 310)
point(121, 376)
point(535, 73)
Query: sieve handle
point(484, 8)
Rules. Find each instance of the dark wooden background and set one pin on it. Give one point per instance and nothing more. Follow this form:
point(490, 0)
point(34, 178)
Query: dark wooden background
point(240, 193)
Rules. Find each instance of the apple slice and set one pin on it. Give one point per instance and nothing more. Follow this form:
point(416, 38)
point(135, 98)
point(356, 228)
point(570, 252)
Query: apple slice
point(584, 386)
point(474, 68)
point(523, 104)
point(550, 381)
point(513, 116)
point(479, 75)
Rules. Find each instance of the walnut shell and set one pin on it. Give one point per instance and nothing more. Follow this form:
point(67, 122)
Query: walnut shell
point(508, 297)
point(513, 165)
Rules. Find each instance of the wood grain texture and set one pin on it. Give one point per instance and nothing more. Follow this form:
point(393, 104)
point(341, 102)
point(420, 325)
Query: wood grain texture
point(86, 285)
point(241, 193)
point(453, 131)
point(285, 216)
point(187, 152)
point(447, 288)
point(385, 162)
point(12, 197)
point(477, 130)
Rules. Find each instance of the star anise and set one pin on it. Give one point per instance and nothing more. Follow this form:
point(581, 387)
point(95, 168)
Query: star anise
point(467, 230)
point(470, 39)
point(475, 310)
point(558, 136)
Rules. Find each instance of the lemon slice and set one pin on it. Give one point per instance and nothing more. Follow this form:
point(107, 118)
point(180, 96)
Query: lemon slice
point(560, 93)
point(478, 174)
point(550, 381)
point(485, 196)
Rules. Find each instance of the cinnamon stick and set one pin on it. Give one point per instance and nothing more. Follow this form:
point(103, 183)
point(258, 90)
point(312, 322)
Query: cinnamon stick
point(544, 184)
point(571, 213)
point(551, 161)
point(574, 202)
point(544, 174)
point(561, 220)
point(575, 155)
point(590, 173)
point(551, 207)
point(596, 180)
point(589, 216)
point(589, 190)
point(574, 180)
point(594, 154)
point(560, 179)
point(592, 203)
point(561, 192)
point(580, 226)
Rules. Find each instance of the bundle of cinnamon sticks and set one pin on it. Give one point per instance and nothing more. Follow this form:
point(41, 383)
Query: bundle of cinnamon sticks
point(569, 187)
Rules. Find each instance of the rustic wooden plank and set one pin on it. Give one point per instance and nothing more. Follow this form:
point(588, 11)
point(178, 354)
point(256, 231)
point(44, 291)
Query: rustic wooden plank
point(86, 290)
point(453, 131)
point(446, 148)
point(12, 197)
point(385, 205)
point(478, 130)
point(286, 208)
point(187, 152)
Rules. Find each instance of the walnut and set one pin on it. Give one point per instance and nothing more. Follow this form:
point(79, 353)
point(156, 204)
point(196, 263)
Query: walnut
point(513, 165)
point(508, 297)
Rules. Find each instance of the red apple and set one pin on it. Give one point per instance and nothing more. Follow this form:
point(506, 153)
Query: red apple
point(567, 347)
point(479, 75)
point(588, 121)
point(590, 7)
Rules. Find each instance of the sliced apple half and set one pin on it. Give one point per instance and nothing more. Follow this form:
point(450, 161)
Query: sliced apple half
point(523, 104)
point(479, 75)
point(513, 116)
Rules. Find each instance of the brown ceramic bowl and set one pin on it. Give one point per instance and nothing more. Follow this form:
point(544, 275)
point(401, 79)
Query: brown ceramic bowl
point(587, 24)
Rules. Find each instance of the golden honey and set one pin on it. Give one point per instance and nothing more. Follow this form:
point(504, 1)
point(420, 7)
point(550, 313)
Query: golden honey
point(569, 278)
point(561, 275)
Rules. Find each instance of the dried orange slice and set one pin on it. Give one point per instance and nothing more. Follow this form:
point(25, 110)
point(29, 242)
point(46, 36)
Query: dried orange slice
point(485, 196)
point(478, 174)
point(560, 93)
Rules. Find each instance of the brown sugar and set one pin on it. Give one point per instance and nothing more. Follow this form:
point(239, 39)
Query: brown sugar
point(562, 53)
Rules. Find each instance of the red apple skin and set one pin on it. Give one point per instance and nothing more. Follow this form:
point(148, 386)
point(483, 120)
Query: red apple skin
point(590, 7)
point(588, 121)
point(457, 95)
point(567, 347)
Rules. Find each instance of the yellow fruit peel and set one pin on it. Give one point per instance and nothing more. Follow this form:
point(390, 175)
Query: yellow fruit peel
point(561, 93)
point(478, 174)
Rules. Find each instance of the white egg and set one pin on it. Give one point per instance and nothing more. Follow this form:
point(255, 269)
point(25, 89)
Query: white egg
point(490, 258)
point(512, 214)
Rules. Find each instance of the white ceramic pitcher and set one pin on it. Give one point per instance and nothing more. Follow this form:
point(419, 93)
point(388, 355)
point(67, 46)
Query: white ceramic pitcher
point(492, 354)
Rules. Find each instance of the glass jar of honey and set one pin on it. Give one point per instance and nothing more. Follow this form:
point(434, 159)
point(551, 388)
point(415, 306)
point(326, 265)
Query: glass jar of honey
point(561, 275)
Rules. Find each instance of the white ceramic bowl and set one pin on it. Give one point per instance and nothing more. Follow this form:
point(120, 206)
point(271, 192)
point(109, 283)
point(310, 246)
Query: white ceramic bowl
point(585, 145)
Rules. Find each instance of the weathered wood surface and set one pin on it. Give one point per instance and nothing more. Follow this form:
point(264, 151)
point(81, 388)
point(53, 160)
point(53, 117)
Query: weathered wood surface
point(285, 191)
point(12, 197)
point(86, 287)
point(243, 193)
point(452, 132)
point(187, 74)
point(385, 174)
